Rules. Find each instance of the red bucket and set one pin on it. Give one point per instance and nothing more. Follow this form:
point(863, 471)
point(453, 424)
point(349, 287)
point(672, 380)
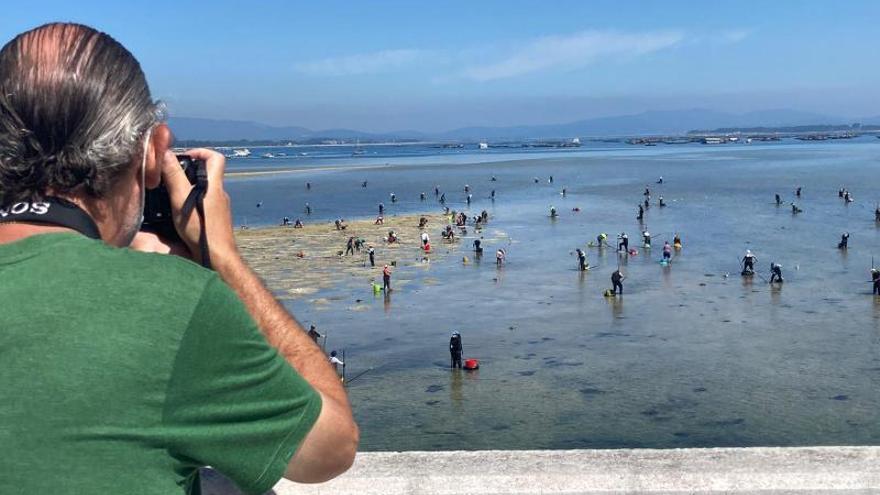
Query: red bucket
point(471, 364)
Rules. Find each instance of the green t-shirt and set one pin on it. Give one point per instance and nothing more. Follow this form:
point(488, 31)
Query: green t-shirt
point(124, 372)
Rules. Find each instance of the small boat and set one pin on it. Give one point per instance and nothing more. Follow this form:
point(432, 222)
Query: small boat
point(241, 153)
point(267, 155)
point(484, 145)
point(358, 151)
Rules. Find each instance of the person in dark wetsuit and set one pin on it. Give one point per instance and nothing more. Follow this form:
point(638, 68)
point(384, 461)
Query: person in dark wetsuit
point(875, 278)
point(455, 349)
point(776, 273)
point(582, 260)
point(478, 248)
point(844, 241)
point(443, 198)
point(349, 246)
point(748, 263)
point(662, 203)
point(641, 214)
point(381, 208)
point(364, 184)
point(617, 282)
point(647, 204)
point(308, 209)
point(798, 192)
point(422, 197)
point(877, 214)
point(308, 186)
point(778, 200)
point(795, 210)
point(372, 253)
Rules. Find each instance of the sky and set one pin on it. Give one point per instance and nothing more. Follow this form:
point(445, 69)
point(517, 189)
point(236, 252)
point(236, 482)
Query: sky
point(382, 66)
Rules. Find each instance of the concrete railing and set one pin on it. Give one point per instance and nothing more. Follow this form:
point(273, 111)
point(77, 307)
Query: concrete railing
point(727, 470)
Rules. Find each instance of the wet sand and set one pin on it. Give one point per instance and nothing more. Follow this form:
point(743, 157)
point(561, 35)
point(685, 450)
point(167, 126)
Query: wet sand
point(297, 263)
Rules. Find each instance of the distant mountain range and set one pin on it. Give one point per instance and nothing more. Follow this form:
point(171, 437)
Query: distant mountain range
point(667, 122)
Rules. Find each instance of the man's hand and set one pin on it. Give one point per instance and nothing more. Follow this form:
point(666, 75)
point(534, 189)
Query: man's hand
point(218, 214)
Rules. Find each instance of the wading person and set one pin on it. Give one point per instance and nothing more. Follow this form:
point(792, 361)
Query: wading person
point(372, 253)
point(667, 251)
point(335, 361)
point(844, 241)
point(386, 278)
point(622, 242)
point(478, 248)
point(617, 282)
point(875, 281)
point(582, 260)
point(775, 273)
point(455, 349)
point(137, 369)
point(313, 334)
point(748, 263)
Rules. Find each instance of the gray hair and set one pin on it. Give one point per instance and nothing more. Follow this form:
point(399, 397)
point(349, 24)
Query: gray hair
point(74, 108)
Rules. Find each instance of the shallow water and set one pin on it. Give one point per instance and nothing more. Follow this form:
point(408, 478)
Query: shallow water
point(686, 357)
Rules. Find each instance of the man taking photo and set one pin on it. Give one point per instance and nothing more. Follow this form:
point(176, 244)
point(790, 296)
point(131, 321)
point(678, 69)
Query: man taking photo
point(126, 371)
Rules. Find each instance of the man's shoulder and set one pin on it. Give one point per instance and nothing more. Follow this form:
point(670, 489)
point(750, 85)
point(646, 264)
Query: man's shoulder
point(173, 272)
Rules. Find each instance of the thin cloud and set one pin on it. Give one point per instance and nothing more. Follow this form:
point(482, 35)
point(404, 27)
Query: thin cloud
point(364, 63)
point(573, 52)
point(734, 35)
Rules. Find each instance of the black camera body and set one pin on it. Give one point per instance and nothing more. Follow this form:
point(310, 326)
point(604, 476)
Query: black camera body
point(157, 203)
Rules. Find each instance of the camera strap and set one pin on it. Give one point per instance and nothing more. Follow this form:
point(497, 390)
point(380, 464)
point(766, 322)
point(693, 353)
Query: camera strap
point(52, 211)
point(196, 200)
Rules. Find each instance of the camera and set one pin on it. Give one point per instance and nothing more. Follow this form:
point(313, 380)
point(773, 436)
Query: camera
point(157, 203)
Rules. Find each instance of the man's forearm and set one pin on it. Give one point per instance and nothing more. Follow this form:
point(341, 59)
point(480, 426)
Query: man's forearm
point(280, 329)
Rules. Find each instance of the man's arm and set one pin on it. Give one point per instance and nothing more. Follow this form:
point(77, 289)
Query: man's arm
point(329, 448)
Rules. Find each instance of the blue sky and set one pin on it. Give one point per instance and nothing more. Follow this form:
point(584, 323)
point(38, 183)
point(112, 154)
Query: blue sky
point(384, 65)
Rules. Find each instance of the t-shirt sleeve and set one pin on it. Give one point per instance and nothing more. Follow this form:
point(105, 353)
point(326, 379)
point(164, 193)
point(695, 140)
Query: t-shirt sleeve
point(232, 401)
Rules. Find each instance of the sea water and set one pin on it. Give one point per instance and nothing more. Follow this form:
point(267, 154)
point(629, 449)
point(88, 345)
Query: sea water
point(691, 355)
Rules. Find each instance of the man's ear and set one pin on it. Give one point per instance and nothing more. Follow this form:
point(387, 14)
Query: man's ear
point(160, 142)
